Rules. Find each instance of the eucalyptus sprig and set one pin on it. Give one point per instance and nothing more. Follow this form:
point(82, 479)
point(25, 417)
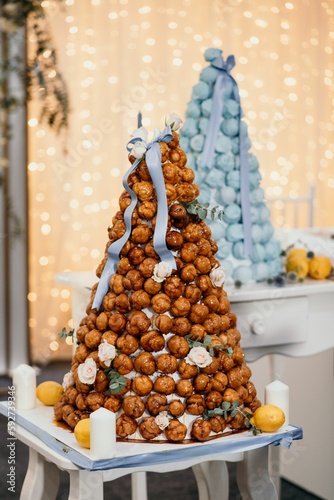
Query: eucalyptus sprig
point(204, 211)
point(232, 409)
point(116, 381)
point(206, 342)
point(21, 76)
point(64, 333)
point(38, 71)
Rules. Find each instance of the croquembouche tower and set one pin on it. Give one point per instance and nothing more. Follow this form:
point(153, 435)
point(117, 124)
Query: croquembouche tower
point(159, 345)
point(216, 142)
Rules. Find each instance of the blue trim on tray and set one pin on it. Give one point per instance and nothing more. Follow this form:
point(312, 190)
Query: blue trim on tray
point(216, 447)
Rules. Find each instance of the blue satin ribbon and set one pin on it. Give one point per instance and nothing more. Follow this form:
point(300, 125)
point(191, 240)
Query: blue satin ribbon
point(153, 161)
point(213, 128)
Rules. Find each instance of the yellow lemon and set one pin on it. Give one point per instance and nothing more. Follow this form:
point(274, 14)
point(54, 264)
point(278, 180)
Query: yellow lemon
point(82, 432)
point(299, 265)
point(268, 418)
point(297, 252)
point(320, 267)
point(49, 392)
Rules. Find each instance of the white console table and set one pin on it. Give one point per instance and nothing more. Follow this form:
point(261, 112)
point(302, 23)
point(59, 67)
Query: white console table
point(295, 320)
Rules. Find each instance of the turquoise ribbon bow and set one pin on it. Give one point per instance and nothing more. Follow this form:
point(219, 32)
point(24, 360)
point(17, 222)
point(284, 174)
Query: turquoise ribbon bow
point(211, 137)
point(153, 161)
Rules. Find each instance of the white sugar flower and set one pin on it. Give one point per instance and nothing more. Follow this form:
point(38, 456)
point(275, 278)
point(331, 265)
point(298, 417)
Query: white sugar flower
point(162, 420)
point(106, 353)
point(87, 371)
point(139, 149)
point(161, 271)
point(140, 133)
point(199, 356)
point(217, 276)
point(174, 121)
point(68, 380)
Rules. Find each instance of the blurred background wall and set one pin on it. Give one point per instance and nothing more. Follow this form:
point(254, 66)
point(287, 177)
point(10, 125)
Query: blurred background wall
point(119, 57)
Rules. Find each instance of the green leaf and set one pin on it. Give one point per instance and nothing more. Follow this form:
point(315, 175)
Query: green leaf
point(234, 412)
point(235, 404)
point(247, 414)
point(207, 340)
point(117, 381)
point(202, 213)
point(196, 343)
point(203, 210)
point(256, 430)
point(213, 213)
point(191, 211)
point(225, 405)
point(229, 352)
point(64, 334)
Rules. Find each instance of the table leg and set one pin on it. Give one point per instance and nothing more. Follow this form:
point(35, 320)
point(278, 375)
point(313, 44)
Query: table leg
point(42, 479)
point(86, 485)
point(277, 369)
point(212, 480)
point(139, 486)
point(253, 477)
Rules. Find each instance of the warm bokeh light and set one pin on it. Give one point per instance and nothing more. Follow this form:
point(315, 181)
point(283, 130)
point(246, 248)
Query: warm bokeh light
point(119, 57)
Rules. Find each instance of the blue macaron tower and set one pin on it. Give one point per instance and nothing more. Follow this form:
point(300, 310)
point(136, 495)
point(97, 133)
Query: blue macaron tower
point(217, 145)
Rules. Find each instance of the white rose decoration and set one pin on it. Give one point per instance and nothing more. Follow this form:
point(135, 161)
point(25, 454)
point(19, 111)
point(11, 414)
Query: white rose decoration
point(161, 271)
point(68, 380)
point(174, 121)
point(162, 420)
point(199, 356)
point(139, 149)
point(141, 133)
point(217, 276)
point(106, 353)
point(87, 371)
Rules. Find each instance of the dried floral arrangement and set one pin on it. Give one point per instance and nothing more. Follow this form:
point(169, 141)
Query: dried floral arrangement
point(38, 72)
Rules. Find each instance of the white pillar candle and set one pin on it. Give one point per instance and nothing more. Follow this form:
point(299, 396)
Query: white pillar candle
point(277, 394)
point(24, 381)
point(102, 434)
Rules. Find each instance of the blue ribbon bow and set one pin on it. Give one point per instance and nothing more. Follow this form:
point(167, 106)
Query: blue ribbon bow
point(211, 137)
point(153, 160)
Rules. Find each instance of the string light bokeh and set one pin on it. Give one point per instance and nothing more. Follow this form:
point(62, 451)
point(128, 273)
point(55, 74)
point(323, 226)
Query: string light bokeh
point(119, 57)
